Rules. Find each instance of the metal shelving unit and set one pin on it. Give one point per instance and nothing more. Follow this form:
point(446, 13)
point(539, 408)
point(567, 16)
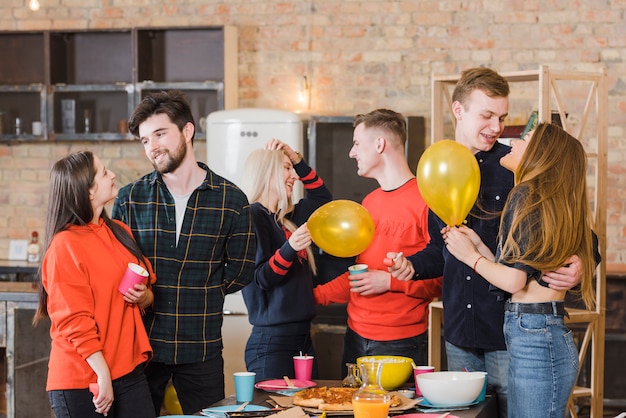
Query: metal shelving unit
point(106, 73)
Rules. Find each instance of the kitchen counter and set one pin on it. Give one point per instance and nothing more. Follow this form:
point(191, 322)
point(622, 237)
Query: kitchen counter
point(17, 266)
point(20, 285)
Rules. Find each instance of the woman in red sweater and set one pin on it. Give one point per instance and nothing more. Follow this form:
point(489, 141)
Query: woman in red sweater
point(97, 333)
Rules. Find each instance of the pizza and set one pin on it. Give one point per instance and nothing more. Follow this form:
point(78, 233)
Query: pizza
point(331, 399)
point(325, 399)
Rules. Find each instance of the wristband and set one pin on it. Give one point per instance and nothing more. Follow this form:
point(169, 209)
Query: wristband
point(476, 262)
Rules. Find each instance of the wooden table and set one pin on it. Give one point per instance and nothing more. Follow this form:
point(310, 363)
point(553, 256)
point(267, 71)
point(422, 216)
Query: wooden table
point(486, 409)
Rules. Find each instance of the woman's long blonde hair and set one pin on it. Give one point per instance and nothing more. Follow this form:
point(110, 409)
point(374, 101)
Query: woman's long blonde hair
point(551, 213)
point(263, 172)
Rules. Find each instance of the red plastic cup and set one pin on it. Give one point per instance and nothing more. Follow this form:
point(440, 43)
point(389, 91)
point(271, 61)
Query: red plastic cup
point(419, 370)
point(134, 274)
point(95, 389)
point(303, 366)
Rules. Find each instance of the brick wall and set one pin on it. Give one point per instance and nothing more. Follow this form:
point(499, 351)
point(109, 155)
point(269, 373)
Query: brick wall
point(358, 55)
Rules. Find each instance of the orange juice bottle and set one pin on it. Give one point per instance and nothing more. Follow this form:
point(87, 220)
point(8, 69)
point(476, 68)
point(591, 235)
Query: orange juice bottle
point(371, 400)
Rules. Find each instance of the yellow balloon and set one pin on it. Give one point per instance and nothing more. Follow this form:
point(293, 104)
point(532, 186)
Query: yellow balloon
point(171, 402)
point(342, 228)
point(448, 177)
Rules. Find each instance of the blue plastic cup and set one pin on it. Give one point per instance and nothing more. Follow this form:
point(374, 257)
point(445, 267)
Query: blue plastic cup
point(358, 268)
point(483, 393)
point(244, 386)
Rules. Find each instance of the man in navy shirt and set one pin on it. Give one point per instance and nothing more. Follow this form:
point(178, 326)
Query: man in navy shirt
point(473, 309)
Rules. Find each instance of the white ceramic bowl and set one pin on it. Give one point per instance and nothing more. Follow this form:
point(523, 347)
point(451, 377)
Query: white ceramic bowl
point(451, 388)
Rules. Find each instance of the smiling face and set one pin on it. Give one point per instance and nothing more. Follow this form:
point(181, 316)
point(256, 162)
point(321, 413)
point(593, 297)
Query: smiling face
point(164, 145)
point(289, 175)
point(518, 146)
point(103, 189)
point(480, 121)
point(287, 178)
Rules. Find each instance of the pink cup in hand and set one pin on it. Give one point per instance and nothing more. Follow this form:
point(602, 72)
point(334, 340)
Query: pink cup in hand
point(303, 366)
point(134, 274)
point(94, 389)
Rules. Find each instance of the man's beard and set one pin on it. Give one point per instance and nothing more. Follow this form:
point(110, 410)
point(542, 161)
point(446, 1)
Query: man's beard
point(172, 160)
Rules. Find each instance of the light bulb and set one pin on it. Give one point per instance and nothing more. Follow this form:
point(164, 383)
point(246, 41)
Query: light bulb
point(304, 89)
point(33, 5)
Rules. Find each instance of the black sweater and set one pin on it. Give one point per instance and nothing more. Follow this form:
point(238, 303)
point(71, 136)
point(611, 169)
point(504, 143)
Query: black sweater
point(281, 293)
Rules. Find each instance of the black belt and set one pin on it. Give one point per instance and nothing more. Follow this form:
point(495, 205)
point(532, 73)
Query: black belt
point(546, 308)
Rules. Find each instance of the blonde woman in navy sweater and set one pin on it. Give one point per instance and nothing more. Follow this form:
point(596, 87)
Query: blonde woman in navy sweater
point(280, 298)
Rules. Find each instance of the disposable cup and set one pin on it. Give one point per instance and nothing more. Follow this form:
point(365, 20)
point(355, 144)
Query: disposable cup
point(133, 275)
point(94, 389)
point(303, 367)
point(358, 268)
point(483, 393)
point(37, 128)
point(417, 371)
point(244, 386)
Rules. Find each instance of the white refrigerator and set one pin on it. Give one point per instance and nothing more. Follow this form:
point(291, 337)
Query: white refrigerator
point(231, 136)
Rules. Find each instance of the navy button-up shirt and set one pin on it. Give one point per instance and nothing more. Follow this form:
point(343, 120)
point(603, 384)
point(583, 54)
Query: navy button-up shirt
point(473, 315)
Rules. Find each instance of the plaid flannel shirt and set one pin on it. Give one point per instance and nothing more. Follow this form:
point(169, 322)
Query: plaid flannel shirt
point(215, 256)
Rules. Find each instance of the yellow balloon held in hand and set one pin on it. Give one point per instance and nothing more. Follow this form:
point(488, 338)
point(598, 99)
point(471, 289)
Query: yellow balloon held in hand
point(448, 177)
point(342, 228)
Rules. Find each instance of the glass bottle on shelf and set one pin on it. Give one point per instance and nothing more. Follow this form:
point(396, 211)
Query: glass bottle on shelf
point(33, 248)
point(87, 117)
point(352, 379)
point(371, 400)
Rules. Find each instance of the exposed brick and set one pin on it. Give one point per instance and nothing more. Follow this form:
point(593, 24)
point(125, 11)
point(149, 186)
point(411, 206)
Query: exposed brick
point(360, 55)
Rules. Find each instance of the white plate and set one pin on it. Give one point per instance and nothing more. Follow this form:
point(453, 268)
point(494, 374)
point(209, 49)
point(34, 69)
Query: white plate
point(279, 385)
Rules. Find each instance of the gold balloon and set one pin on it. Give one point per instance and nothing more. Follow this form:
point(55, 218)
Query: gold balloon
point(448, 177)
point(171, 402)
point(342, 228)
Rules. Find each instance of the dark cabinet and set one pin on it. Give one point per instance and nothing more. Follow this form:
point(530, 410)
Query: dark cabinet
point(24, 353)
point(22, 83)
point(85, 84)
point(329, 142)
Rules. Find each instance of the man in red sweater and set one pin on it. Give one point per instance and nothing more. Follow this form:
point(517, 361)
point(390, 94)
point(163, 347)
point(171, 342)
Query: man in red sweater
point(385, 315)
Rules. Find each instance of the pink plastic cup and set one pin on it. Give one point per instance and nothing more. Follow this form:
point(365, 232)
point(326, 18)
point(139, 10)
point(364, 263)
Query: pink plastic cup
point(94, 389)
point(303, 366)
point(419, 370)
point(134, 274)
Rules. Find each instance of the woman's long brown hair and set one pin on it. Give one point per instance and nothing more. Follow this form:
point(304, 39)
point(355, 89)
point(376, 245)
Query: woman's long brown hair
point(551, 215)
point(68, 204)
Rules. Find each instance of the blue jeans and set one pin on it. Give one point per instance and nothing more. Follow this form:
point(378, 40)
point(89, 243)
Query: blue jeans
point(269, 353)
point(132, 399)
point(198, 385)
point(494, 362)
point(355, 346)
point(544, 364)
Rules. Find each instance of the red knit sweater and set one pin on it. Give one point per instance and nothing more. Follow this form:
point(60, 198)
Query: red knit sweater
point(81, 271)
point(401, 222)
